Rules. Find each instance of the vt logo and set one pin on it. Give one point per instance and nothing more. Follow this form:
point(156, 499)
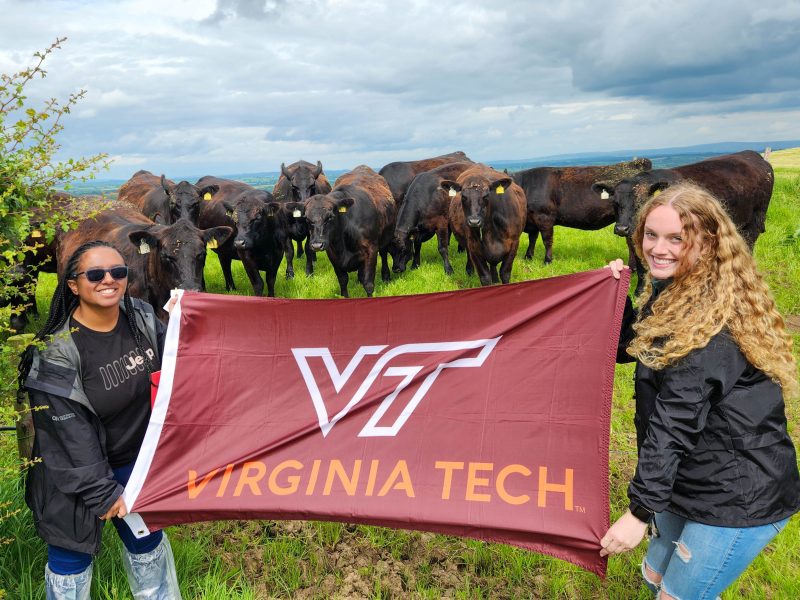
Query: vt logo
point(408, 373)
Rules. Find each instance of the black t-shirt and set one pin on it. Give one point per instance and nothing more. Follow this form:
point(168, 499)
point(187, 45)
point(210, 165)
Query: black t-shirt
point(117, 384)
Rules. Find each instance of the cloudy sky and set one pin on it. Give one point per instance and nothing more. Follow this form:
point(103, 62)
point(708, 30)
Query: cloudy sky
point(229, 86)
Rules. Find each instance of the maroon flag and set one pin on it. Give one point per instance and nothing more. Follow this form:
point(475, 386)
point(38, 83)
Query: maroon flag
point(481, 413)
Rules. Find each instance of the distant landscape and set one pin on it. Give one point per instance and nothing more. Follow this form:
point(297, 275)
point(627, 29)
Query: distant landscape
point(661, 158)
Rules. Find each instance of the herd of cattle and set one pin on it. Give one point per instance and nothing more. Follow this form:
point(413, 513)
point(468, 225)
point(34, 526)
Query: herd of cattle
point(163, 229)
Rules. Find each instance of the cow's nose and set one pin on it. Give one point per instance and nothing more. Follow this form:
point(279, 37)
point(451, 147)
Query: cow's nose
point(474, 222)
point(621, 230)
point(239, 244)
point(317, 246)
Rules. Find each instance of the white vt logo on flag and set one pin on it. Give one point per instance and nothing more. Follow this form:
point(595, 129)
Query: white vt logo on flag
point(408, 373)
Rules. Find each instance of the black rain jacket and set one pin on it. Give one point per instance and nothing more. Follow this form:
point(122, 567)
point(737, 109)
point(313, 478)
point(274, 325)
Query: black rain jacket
point(712, 438)
point(73, 485)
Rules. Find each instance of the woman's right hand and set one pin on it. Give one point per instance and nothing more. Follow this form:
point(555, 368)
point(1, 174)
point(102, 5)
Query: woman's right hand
point(616, 267)
point(118, 509)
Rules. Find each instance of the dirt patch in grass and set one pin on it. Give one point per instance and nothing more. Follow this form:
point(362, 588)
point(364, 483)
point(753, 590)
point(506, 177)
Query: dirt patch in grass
point(362, 562)
point(792, 323)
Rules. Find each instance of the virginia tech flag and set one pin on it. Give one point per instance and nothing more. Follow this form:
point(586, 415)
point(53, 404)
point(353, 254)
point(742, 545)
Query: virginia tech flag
point(480, 413)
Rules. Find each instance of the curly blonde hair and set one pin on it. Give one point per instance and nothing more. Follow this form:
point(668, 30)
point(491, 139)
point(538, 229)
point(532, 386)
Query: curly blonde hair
point(721, 288)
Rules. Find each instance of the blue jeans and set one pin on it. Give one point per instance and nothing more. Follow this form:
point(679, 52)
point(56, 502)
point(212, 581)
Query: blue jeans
point(71, 562)
point(697, 561)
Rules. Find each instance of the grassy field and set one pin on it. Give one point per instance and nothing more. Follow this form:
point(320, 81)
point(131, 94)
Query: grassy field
point(292, 559)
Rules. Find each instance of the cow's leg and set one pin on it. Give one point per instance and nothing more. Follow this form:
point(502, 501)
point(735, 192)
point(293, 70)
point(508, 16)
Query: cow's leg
point(493, 273)
point(300, 248)
point(417, 252)
point(251, 268)
point(271, 273)
point(288, 249)
point(342, 277)
point(635, 266)
point(533, 235)
point(366, 273)
point(476, 258)
point(508, 263)
point(443, 238)
point(547, 238)
point(311, 258)
point(225, 260)
point(386, 273)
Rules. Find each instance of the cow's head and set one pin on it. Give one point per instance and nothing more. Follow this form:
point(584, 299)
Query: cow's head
point(628, 196)
point(185, 199)
point(323, 215)
point(255, 213)
point(176, 254)
point(302, 178)
point(476, 192)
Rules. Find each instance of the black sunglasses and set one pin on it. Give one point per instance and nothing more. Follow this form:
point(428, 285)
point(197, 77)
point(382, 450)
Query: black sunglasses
point(97, 275)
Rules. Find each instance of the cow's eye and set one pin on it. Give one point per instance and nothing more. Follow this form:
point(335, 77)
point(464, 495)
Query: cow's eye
point(167, 258)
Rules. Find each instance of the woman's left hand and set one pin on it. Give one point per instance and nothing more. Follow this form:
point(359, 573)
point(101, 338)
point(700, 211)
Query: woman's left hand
point(623, 535)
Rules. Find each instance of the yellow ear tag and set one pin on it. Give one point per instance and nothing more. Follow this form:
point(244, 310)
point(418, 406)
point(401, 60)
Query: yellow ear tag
point(36, 233)
point(499, 190)
point(452, 193)
point(207, 196)
point(296, 213)
point(212, 243)
point(604, 195)
point(342, 209)
point(144, 247)
point(656, 193)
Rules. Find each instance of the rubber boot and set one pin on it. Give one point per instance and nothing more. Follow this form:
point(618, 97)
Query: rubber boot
point(67, 587)
point(152, 575)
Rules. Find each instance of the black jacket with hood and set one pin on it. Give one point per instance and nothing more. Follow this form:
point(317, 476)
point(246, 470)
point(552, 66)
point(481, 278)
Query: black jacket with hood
point(73, 485)
point(712, 438)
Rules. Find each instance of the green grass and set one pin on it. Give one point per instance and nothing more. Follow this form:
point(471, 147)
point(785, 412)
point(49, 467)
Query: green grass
point(285, 559)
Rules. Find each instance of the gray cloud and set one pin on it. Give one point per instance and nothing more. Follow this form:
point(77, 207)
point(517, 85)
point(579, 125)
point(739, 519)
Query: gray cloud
point(232, 86)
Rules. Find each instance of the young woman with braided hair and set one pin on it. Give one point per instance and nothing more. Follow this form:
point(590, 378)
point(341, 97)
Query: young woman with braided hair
point(716, 477)
point(90, 387)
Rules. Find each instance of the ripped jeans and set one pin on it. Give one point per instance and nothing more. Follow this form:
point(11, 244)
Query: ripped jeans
point(697, 561)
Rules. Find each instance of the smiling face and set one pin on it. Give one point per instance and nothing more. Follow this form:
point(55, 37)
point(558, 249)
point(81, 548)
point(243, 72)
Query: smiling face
point(664, 243)
point(106, 293)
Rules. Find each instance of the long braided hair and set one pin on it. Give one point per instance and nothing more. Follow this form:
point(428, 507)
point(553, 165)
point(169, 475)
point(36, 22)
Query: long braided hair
point(64, 302)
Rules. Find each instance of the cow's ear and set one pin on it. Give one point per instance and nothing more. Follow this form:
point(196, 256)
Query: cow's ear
point(144, 240)
point(451, 187)
point(343, 204)
point(219, 234)
point(159, 218)
point(318, 170)
point(604, 189)
point(271, 208)
point(207, 191)
point(296, 209)
point(657, 187)
point(499, 187)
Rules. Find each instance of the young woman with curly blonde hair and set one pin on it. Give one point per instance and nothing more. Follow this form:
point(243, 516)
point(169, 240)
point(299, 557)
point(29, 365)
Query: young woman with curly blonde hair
point(717, 475)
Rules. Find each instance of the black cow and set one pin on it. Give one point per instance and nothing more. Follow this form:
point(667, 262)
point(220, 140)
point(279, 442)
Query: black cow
point(400, 174)
point(425, 213)
point(353, 224)
point(742, 182)
point(259, 225)
point(564, 196)
point(160, 257)
point(297, 183)
point(487, 216)
point(161, 200)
